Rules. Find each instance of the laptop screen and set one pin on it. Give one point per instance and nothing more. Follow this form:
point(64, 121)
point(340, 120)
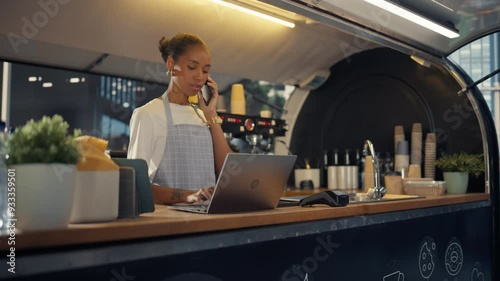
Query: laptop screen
point(249, 182)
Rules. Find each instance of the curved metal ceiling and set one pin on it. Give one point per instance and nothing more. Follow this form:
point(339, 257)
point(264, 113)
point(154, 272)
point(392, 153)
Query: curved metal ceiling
point(472, 19)
point(75, 34)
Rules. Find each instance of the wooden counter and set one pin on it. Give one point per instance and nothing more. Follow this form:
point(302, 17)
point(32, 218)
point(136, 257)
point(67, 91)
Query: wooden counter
point(167, 222)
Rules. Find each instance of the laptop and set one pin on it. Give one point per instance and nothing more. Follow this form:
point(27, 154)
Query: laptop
point(247, 182)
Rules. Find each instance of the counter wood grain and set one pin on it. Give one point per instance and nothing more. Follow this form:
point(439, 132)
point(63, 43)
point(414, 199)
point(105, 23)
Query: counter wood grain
point(167, 222)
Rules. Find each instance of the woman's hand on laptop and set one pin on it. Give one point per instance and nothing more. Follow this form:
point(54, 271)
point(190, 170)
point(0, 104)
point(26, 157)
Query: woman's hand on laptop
point(201, 195)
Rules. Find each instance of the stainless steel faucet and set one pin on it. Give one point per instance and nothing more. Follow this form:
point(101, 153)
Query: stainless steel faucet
point(377, 192)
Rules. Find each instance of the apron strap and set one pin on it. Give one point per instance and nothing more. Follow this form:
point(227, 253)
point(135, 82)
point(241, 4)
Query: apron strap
point(168, 111)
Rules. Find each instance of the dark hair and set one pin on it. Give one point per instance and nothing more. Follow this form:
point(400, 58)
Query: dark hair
point(178, 45)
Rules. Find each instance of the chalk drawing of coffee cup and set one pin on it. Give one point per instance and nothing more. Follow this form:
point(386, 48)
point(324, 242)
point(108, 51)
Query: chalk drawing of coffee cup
point(395, 276)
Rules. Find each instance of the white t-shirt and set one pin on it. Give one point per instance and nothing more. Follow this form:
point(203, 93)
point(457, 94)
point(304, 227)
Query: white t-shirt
point(148, 130)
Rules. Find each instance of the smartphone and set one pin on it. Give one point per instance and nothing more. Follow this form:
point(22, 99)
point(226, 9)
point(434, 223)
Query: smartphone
point(206, 93)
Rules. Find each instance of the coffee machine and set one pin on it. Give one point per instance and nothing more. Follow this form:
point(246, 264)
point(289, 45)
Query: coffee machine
point(251, 134)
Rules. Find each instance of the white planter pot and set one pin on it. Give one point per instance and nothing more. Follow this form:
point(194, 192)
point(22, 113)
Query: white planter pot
point(457, 182)
point(44, 195)
point(96, 196)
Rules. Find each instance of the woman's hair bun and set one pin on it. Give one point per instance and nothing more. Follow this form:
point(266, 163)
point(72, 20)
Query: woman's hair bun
point(178, 45)
point(163, 47)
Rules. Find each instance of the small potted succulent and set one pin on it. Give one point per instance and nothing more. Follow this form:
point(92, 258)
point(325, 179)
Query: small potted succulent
point(43, 156)
point(456, 169)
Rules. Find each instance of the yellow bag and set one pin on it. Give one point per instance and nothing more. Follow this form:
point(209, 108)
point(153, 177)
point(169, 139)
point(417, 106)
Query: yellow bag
point(93, 156)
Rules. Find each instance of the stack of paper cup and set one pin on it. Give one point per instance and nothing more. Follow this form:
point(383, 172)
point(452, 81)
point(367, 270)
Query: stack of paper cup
point(393, 184)
point(402, 158)
point(430, 156)
point(238, 105)
point(416, 144)
point(414, 171)
point(399, 135)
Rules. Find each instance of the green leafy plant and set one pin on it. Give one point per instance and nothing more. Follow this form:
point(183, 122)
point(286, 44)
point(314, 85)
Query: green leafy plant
point(3, 146)
point(462, 162)
point(43, 141)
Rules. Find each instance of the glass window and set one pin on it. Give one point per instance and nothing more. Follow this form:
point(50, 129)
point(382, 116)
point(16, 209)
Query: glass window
point(464, 53)
point(116, 131)
point(488, 97)
point(99, 105)
point(260, 95)
point(482, 59)
point(2, 125)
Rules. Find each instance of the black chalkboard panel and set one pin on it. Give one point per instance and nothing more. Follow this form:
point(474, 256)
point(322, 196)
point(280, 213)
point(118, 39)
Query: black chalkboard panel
point(447, 246)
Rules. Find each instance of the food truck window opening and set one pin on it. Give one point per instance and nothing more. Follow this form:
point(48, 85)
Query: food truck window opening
point(101, 105)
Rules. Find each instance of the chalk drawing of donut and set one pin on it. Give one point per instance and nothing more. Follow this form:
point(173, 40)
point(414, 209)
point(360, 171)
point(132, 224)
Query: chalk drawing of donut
point(454, 258)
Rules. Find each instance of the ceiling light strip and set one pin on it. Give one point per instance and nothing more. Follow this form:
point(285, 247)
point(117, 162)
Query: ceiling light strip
point(411, 16)
point(255, 13)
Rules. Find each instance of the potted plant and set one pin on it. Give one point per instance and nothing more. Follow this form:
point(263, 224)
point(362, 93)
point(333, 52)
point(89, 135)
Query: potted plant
point(456, 169)
point(43, 155)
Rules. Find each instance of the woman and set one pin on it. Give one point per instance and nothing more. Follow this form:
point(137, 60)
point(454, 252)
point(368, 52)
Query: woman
point(184, 145)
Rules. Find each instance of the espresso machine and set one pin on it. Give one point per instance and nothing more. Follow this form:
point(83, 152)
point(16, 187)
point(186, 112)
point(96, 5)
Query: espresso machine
point(251, 134)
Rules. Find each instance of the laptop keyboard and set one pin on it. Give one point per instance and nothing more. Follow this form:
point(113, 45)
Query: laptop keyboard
point(197, 208)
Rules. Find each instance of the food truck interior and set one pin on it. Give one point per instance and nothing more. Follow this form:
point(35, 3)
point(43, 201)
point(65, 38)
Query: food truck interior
point(357, 70)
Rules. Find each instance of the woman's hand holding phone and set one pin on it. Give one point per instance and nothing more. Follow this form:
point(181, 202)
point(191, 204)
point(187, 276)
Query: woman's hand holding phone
point(206, 93)
point(208, 99)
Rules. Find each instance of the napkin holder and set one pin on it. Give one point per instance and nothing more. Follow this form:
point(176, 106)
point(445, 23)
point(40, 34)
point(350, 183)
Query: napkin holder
point(143, 194)
point(127, 207)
